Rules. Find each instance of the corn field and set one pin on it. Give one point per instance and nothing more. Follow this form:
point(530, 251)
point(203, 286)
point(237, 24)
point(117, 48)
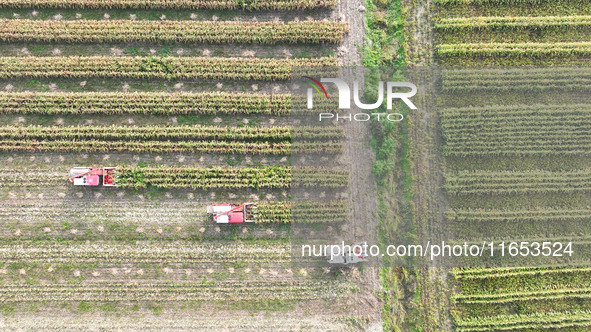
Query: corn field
point(517, 182)
point(159, 139)
point(273, 177)
point(525, 215)
point(302, 212)
point(169, 68)
point(507, 130)
point(172, 4)
point(150, 103)
point(518, 79)
point(118, 31)
point(189, 101)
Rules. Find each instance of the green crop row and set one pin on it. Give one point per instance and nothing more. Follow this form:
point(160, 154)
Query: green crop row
point(513, 130)
point(158, 139)
point(507, 79)
point(172, 4)
point(517, 182)
point(302, 212)
point(275, 177)
point(171, 68)
point(514, 54)
point(549, 320)
point(524, 215)
point(507, 29)
point(152, 103)
point(118, 31)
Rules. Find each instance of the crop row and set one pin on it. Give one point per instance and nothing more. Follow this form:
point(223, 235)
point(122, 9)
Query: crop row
point(166, 213)
point(515, 49)
point(183, 139)
point(222, 147)
point(519, 114)
point(521, 279)
point(506, 79)
point(496, 2)
point(92, 31)
point(517, 322)
point(524, 215)
point(156, 103)
point(153, 103)
point(114, 253)
point(173, 291)
point(530, 295)
point(490, 273)
point(515, 8)
point(172, 4)
point(153, 133)
point(274, 177)
point(171, 68)
point(512, 23)
point(302, 212)
point(513, 29)
point(517, 182)
point(517, 131)
point(270, 177)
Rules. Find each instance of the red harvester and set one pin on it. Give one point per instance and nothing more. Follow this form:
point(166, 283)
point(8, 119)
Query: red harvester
point(232, 213)
point(93, 176)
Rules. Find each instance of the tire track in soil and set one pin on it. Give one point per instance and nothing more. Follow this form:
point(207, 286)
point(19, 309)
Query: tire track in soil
point(359, 155)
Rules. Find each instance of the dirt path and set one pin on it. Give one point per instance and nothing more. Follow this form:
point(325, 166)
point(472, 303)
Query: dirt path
point(420, 48)
point(348, 11)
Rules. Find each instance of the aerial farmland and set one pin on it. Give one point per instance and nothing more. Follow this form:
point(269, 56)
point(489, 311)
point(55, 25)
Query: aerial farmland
point(160, 169)
point(127, 125)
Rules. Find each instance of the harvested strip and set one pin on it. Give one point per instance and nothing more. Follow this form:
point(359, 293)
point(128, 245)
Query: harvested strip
point(103, 31)
point(107, 253)
point(32, 178)
point(174, 291)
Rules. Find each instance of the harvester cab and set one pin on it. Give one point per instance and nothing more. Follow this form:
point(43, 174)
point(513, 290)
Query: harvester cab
point(352, 254)
point(93, 176)
point(233, 213)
